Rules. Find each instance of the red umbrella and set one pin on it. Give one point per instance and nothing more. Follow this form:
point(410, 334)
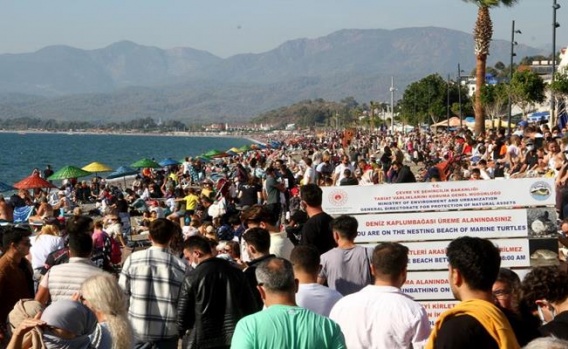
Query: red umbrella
point(32, 182)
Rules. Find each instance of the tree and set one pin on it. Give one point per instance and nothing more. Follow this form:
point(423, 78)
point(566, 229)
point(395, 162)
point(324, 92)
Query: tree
point(482, 35)
point(426, 100)
point(559, 90)
point(527, 88)
point(494, 99)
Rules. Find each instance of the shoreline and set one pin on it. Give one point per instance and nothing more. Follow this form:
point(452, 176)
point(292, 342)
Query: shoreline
point(246, 136)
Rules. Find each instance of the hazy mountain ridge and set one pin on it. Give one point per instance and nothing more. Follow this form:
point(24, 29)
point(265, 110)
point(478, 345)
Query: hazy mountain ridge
point(125, 80)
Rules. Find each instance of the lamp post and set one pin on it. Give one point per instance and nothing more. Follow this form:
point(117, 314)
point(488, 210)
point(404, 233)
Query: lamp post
point(448, 100)
point(513, 54)
point(555, 6)
point(392, 89)
point(460, 95)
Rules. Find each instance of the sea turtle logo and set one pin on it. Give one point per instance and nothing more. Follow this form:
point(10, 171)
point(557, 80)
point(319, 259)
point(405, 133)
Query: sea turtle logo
point(338, 197)
point(540, 191)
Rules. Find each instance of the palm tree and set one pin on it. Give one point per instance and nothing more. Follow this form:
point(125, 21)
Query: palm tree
point(482, 34)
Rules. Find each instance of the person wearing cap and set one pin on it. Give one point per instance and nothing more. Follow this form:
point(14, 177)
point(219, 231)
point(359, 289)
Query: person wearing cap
point(63, 203)
point(16, 281)
point(6, 210)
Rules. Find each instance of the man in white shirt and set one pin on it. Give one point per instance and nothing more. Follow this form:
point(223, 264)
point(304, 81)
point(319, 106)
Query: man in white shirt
point(62, 281)
point(311, 295)
point(380, 315)
point(339, 172)
point(309, 173)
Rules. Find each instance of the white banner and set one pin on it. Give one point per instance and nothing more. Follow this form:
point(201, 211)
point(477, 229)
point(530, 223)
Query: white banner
point(431, 285)
point(433, 196)
point(434, 285)
point(432, 255)
point(436, 308)
point(441, 225)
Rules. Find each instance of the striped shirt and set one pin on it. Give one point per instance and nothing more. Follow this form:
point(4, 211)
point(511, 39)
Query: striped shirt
point(64, 280)
point(152, 280)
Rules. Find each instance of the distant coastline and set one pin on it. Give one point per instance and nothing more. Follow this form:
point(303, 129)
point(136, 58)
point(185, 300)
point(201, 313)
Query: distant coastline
point(248, 136)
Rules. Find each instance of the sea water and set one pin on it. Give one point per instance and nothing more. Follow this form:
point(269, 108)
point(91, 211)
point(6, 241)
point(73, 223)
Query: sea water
point(20, 153)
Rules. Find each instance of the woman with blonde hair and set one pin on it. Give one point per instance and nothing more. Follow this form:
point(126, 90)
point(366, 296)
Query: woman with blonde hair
point(105, 298)
point(45, 242)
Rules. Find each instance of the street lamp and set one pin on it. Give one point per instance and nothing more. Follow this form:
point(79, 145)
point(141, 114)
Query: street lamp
point(513, 54)
point(459, 94)
point(448, 100)
point(555, 25)
point(392, 89)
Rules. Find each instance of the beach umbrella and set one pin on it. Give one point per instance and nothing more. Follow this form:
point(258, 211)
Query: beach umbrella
point(203, 158)
point(168, 162)
point(122, 172)
point(33, 181)
point(146, 163)
point(95, 167)
point(5, 187)
point(67, 172)
point(212, 153)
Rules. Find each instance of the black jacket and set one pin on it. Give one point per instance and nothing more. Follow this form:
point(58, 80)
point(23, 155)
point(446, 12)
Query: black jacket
point(213, 298)
point(250, 275)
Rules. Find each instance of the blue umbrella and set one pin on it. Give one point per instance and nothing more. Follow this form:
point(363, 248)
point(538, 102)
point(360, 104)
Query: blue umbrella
point(5, 187)
point(122, 171)
point(168, 162)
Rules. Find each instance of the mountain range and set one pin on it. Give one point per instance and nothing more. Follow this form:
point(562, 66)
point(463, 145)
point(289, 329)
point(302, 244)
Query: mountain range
point(125, 81)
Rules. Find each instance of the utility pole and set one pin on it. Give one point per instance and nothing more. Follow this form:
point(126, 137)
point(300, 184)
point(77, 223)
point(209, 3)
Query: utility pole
point(513, 54)
point(392, 89)
point(460, 95)
point(448, 101)
point(552, 117)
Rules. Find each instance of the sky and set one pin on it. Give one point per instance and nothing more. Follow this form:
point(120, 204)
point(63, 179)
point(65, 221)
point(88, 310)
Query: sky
point(228, 27)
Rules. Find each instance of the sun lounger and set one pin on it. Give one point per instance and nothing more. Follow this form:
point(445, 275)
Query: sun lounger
point(21, 215)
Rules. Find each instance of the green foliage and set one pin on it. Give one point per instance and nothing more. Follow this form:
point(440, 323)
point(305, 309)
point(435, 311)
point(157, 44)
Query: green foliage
point(560, 84)
point(495, 99)
point(312, 112)
point(425, 101)
point(139, 125)
point(527, 88)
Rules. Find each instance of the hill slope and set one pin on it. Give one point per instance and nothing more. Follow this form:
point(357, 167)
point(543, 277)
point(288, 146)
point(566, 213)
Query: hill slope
point(125, 81)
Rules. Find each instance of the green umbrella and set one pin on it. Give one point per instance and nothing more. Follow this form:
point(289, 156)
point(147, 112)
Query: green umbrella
point(245, 148)
point(68, 172)
point(212, 153)
point(145, 163)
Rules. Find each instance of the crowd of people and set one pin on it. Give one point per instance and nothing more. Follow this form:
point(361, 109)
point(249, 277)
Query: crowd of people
point(242, 254)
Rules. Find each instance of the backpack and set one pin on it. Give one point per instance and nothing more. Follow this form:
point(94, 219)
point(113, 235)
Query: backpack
point(115, 254)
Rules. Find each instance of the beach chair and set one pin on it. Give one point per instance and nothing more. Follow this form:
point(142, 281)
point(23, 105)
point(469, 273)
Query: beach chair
point(23, 214)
